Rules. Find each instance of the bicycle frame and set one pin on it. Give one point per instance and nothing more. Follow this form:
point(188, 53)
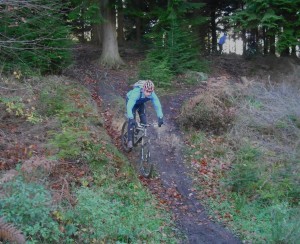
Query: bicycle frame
point(137, 137)
point(140, 134)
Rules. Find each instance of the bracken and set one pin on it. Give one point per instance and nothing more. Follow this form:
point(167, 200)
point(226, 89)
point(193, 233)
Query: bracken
point(9, 233)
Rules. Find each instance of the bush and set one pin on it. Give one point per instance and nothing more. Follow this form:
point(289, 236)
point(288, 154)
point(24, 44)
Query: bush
point(52, 100)
point(28, 206)
point(158, 71)
point(285, 224)
point(122, 217)
point(69, 143)
point(212, 111)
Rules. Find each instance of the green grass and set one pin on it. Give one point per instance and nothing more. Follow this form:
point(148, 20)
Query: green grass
point(257, 223)
point(111, 204)
point(125, 215)
point(262, 200)
point(252, 183)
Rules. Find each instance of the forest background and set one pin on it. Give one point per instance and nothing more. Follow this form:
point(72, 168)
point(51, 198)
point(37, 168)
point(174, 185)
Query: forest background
point(38, 39)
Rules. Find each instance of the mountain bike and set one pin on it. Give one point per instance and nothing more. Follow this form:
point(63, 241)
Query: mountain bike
point(140, 136)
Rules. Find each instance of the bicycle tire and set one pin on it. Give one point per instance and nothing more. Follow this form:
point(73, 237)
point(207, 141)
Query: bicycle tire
point(146, 166)
point(124, 137)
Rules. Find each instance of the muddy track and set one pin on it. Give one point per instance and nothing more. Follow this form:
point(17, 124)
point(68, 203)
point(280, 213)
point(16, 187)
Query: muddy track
point(171, 184)
point(169, 155)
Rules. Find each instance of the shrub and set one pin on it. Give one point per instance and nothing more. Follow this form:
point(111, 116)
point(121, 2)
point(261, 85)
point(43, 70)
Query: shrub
point(69, 142)
point(212, 111)
point(28, 206)
point(158, 71)
point(119, 218)
point(52, 100)
point(285, 223)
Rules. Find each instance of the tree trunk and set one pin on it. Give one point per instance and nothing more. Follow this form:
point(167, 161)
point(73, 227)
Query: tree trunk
point(294, 52)
point(272, 44)
point(213, 30)
point(244, 41)
point(120, 29)
point(138, 22)
point(265, 42)
point(110, 56)
point(96, 35)
point(285, 52)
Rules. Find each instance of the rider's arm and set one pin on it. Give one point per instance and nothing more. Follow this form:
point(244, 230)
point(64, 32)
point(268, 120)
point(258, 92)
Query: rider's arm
point(132, 96)
point(157, 105)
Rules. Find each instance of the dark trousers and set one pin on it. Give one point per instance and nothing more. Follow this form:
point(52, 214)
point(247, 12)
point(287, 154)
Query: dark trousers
point(220, 48)
point(140, 108)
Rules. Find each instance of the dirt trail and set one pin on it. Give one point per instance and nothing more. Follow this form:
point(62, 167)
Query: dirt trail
point(173, 173)
point(172, 185)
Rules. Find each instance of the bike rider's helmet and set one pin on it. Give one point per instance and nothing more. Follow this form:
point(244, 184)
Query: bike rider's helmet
point(149, 86)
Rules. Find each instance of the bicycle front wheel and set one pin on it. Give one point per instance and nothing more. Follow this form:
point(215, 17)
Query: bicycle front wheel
point(124, 137)
point(146, 166)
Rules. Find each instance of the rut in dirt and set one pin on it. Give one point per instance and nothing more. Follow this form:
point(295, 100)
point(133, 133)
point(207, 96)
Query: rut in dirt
point(178, 193)
point(171, 184)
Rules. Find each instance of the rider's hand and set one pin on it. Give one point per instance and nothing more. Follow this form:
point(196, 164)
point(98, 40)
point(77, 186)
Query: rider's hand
point(132, 122)
point(160, 122)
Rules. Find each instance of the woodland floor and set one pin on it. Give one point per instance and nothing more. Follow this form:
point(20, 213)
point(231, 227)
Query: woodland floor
point(171, 184)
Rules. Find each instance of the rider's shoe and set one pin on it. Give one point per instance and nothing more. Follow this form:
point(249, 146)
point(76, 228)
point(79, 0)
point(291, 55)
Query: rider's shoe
point(129, 144)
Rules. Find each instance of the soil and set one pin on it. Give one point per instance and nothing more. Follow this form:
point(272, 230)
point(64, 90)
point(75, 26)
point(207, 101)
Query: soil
point(171, 184)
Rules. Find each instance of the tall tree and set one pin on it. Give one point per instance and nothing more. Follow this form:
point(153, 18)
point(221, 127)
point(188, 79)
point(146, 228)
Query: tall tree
point(276, 19)
point(120, 19)
point(84, 17)
point(175, 45)
point(96, 25)
point(216, 10)
point(110, 56)
point(33, 36)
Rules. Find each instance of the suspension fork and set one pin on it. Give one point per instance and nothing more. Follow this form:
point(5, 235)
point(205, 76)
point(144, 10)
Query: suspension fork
point(145, 140)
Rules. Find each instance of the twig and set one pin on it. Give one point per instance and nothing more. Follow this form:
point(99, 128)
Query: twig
point(12, 88)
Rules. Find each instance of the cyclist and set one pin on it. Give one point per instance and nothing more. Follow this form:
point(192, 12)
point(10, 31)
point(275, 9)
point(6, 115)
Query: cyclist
point(221, 42)
point(135, 101)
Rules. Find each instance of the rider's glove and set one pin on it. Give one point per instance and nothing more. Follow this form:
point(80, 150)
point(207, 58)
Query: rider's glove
point(132, 123)
point(160, 122)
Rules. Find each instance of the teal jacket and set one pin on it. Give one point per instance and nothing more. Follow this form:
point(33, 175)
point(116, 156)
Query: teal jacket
point(136, 97)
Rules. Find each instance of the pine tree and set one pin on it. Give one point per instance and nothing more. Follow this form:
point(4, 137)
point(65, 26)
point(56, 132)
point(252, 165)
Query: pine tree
point(33, 36)
point(175, 45)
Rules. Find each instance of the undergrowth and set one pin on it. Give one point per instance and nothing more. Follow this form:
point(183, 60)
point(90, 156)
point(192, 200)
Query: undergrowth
point(109, 206)
point(212, 111)
point(28, 205)
point(248, 175)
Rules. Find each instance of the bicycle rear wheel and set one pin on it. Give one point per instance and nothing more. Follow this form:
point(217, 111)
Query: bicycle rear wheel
point(124, 137)
point(146, 166)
